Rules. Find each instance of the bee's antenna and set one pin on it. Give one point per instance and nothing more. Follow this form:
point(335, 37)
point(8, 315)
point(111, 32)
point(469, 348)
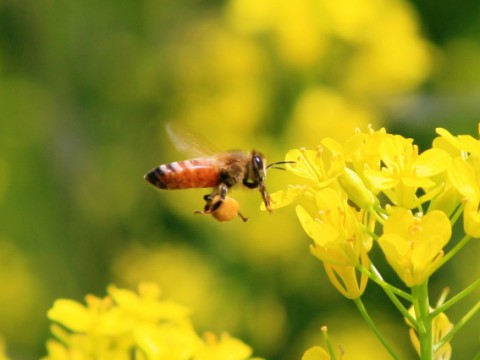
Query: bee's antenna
point(274, 165)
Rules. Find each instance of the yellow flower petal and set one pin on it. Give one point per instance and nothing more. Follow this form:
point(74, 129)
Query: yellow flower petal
point(283, 198)
point(471, 219)
point(320, 166)
point(305, 163)
point(463, 178)
point(380, 179)
point(316, 353)
point(413, 246)
point(225, 348)
point(431, 162)
point(463, 142)
point(305, 220)
point(167, 340)
point(449, 137)
point(147, 308)
point(71, 314)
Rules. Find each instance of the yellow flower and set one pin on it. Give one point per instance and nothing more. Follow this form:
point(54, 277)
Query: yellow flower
point(319, 353)
point(466, 179)
point(167, 340)
point(413, 244)
point(447, 201)
point(464, 174)
point(441, 326)
point(465, 143)
point(345, 278)
point(316, 353)
point(86, 346)
point(337, 229)
point(406, 170)
point(126, 323)
point(99, 317)
point(285, 197)
point(362, 150)
point(386, 55)
point(297, 28)
point(337, 234)
point(58, 351)
point(339, 240)
point(326, 167)
point(463, 177)
point(320, 167)
point(223, 348)
point(471, 219)
point(391, 57)
point(147, 305)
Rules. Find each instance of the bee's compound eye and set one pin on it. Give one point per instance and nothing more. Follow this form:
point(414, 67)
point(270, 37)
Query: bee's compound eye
point(257, 160)
point(228, 209)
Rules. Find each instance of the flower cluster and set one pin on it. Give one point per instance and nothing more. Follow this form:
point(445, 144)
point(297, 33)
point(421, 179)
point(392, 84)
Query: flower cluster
point(379, 188)
point(126, 325)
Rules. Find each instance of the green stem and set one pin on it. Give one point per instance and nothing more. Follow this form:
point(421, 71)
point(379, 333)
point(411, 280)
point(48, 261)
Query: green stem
point(329, 344)
point(370, 233)
point(467, 291)
point(381, 211)
point(379, 214)
point(391, 291)
point(458, 326)
point(442, 298)
point(455, 249)
point(456, 215)
point(377, 277)
point(374, 328)
point(424, 320)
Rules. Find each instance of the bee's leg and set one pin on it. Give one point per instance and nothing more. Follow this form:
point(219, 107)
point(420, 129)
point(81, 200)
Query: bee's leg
point(266, 198)
point(218, 190)
point(207, 209)
point(208, 198)
point(216, 205)
point(244, 218)
point(222, 190)
point(210, 206)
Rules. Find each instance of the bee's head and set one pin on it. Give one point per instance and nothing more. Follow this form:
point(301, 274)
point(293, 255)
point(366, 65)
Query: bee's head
point(255, 177)
point(257, 170)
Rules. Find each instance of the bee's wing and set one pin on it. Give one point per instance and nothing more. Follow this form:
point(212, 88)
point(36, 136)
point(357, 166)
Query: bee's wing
point(189, 143)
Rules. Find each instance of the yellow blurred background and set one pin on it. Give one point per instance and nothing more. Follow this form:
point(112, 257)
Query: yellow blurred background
point(86, 89)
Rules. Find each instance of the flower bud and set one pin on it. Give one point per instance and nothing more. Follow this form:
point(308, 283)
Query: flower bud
point(356, 189)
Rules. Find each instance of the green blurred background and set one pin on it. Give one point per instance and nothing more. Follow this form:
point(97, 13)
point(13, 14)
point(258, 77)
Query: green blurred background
point(86, 88)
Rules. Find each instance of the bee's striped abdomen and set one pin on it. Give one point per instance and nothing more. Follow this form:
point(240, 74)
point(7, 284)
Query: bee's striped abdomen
point(196, 173)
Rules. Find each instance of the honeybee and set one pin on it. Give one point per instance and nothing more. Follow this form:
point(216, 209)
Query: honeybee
point(220, 171)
